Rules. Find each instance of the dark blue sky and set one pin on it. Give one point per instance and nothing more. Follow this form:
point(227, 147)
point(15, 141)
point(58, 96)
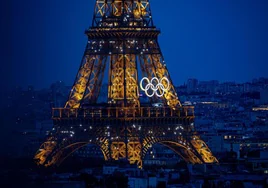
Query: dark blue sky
point(209, 39)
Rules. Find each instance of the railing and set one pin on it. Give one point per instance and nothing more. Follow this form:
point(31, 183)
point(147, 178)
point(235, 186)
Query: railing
point(142, 112)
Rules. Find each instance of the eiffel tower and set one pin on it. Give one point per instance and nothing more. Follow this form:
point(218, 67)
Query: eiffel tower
point(123, 44)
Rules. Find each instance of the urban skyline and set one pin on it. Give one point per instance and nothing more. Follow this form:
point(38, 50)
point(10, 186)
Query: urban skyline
point(184, 106)
point(184, 83)
point(232, 122)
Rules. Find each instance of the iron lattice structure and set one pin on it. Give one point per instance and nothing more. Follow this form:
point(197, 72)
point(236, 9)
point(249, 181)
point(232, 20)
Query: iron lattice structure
point(123, 40)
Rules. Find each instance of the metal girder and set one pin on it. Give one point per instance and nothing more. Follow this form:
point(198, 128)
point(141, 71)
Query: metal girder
point(202, 148)
point(154, 66)
point(88, 81)
point(185, 153)
point(116, 76)
point(95, 81)
point(123, 39)
point(48, 156)
point(122, 12)
point(123, 87)
point(80, 85)
point(118, 151)
point(131, 141)
point(44, 151)
point(123, 76)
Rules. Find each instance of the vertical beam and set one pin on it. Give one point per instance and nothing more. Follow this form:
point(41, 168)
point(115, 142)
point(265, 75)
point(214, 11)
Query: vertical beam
point(149, 69)
point(116, 91)
point(95, 80)
point(80, 84)
point(124, 68)
point(138, 10)
point(156, 67)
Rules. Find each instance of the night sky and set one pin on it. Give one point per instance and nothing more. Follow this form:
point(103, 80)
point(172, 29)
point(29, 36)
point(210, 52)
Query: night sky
point(210, 39)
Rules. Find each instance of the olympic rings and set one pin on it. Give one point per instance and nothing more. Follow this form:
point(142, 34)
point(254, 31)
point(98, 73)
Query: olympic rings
point(155, 85)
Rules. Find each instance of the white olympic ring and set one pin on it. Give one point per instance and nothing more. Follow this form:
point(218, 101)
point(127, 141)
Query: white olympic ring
point(155, 88)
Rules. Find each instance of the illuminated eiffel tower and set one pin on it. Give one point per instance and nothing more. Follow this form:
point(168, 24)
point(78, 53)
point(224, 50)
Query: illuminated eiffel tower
point(122, 41)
